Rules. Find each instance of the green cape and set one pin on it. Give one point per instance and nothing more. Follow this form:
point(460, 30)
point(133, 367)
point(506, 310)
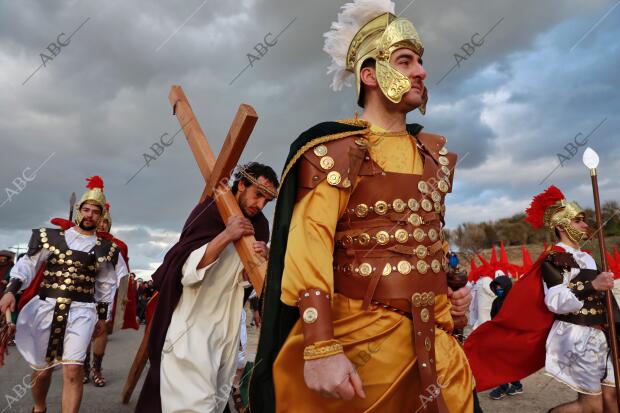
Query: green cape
point(277, 318)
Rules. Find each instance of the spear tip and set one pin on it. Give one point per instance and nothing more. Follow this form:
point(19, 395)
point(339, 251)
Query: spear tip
point(590, 158)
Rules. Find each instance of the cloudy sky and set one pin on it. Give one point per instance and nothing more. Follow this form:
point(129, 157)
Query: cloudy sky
point(545, 76)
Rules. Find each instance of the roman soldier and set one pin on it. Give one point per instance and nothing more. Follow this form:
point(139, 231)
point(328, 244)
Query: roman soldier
point(554, 317)
point(357, 314)
point(99, 343)
point(78, 272)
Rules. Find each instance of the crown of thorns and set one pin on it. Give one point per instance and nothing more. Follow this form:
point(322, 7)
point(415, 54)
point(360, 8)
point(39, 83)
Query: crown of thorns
point(252, 179)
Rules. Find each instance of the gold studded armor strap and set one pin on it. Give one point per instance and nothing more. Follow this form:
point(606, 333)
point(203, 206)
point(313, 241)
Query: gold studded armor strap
point(336, 161)
point(55, 344)
point(423, 317)
point(106, 250)
point(34, 245)
point(434, 145)
point(593, 312)
point(316, 316)
point(102, 310)
point(51, 292)
point(583, 290)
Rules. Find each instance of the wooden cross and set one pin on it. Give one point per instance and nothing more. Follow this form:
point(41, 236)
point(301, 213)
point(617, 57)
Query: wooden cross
point(216, 174)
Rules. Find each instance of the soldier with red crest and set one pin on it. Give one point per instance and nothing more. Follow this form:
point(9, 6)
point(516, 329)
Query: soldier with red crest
point(555, 316)
point(78, 273)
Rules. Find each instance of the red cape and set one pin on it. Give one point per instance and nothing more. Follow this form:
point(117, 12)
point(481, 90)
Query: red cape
point(512, 345)
point(131, 310)
point(32, 290)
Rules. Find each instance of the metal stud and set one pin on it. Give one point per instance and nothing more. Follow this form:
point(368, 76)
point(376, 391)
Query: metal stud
point(327, 162)
point(381, 207)
point(320, 150)
point(398, 205)
point(333, 178)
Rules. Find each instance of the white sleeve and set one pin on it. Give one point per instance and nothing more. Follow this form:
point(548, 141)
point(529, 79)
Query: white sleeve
point(25, 269)
point(107, 281)
point(616, 290)
point(190, 273)
point(243, 342)
point(559, 299)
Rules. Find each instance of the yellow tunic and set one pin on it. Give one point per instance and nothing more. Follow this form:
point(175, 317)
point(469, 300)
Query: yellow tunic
point(379, 341)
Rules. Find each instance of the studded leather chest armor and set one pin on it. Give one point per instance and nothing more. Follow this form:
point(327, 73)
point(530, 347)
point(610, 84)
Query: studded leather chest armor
point(593, 310)
point(388, 245)
point(70, 273)
point(390, 238)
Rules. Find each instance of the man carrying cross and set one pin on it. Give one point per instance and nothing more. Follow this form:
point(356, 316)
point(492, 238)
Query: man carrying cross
point(195, 334)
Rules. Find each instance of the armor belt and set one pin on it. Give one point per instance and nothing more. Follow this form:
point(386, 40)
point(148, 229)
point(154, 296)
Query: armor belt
point(72, 295)
point(389, 250)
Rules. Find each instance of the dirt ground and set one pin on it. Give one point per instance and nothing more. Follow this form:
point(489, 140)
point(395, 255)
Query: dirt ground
point(541, 392)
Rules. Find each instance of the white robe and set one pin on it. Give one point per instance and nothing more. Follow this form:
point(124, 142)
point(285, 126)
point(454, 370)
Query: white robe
point(576, 355)
point(35, 319)
point(199, 356)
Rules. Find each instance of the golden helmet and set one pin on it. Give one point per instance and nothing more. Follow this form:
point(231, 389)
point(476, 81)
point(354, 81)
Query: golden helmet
point(94, 194)
point(551, 210)
point(369, 29)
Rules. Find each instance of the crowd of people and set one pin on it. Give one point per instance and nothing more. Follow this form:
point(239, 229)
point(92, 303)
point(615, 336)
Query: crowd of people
point(144, 292)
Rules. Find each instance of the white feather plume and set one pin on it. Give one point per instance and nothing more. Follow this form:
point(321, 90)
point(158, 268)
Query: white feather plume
point(351, 18)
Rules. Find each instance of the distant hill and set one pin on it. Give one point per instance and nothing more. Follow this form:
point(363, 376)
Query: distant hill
point(514, 231)
point(514, 252)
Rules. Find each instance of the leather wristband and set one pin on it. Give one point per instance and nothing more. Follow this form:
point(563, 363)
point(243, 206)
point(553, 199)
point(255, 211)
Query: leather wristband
point(102, 310)
point(316, 316)
point(14, 286)
point(582, 291)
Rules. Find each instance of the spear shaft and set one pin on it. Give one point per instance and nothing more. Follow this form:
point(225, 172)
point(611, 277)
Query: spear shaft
point(608, 297)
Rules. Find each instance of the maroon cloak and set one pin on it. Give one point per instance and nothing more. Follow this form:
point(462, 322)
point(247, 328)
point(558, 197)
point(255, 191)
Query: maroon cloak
point(203, 224)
